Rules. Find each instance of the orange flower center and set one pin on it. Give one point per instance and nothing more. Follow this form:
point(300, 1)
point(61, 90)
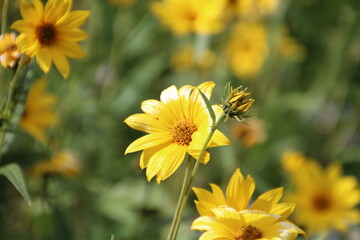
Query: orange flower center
point(321, 202)
point(182, 131)
point(248, 232)
point(46, 34)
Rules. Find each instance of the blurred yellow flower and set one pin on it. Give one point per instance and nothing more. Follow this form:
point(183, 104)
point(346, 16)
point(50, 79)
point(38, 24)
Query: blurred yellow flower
point(177, 124)
point(9, 54)
point(290, 49)
point(51, 33)
point(184, 59)
point(63, 163)
point(125, 2)
point(251, 8)
point(230, 224)
point(324, 198)
point(38, 114)
point(249, 134)
point(238, 195)
point(185, 16)
point(247, 49)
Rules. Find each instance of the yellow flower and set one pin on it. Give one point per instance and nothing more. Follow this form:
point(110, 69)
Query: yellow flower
point(176, 125)
point(324, 198)
point(251, 8)
point(184, 16)
point(247, 49)
point(238, 195)
point(230, 224)
point(251, 133)
point(184, 59)
point(38, 114)
point(63, 163)
point(51, 33)
point(125, 2)
point(9, 54)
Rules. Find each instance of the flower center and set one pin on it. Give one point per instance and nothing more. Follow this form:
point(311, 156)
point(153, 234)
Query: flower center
point(321, 202)
point(46, 34)
point(248, 233)
point(181, 132)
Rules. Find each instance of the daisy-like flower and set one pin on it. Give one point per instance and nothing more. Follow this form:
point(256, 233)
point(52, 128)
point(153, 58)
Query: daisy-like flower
point(9, 54)
point(247, 49)
point(324, 198)
point(63, 163)
point(38, 114)
point(51, 33)
point(230, 224)
point(238, 195)
point(185, 16)
point(177, 124)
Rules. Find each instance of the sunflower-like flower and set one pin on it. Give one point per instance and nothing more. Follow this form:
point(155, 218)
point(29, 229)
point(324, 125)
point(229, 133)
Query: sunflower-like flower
point(38, 113)
point(227, 223)
point(184, 16)
point(63, 163)
point(247, 49)
point(9, 54)
point(51, 33)
point(177, 124)
point(324, 198)
point(238, 195)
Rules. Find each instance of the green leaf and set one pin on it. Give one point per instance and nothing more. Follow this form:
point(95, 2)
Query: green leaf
point(208, 105)
point(13, 172)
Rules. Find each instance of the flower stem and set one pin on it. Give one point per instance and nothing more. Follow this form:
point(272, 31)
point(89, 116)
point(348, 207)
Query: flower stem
point(6, 114)
point(188, 183)
point(5, 8)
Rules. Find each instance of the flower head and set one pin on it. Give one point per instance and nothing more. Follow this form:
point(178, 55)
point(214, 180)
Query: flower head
point(238, 195)
point(236, 103)
point(9, 54)
point(63, 163)
point(184, 16)
point(227, 223)
point(38, 114)
point(247, 49)
point(177, 124)
point(324, 198)
point(50, 33)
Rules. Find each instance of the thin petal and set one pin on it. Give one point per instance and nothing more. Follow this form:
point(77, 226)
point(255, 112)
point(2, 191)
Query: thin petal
point(148, 141)
point(145, 123)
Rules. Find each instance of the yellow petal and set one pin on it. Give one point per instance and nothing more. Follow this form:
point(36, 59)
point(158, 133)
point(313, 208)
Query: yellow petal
point(266, 200)
point(146, 123)
point(165, 162)
point(239, 191)
point(43, 58)
point(60, 62)
point(74, 19)
point(148, 153)
point(148, 141)
point(219, 139)
point(151, 107)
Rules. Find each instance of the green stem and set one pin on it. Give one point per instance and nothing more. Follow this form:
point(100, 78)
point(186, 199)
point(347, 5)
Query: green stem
point(4, 16)
point(187, 184)
point(6, 114)
point(177, 211)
